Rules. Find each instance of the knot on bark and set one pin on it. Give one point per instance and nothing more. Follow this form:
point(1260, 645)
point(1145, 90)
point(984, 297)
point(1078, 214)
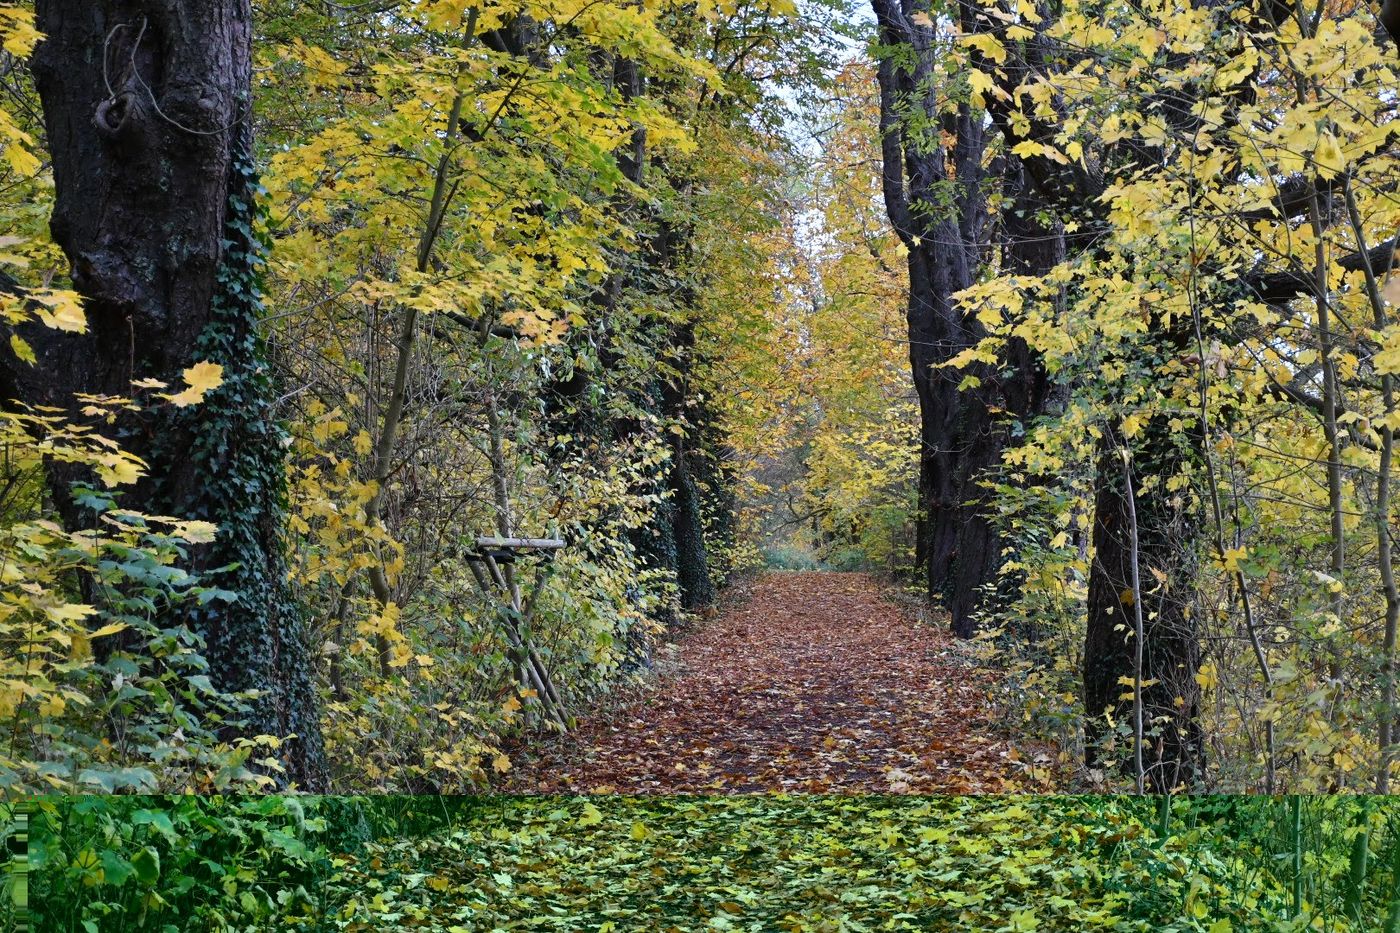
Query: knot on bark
point(116, 115)
point(108, 278)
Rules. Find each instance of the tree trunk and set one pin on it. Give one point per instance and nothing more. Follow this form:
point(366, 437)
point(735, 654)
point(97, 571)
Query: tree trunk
point(916, 182)
point(147, 105)
point(936, 203)
point(692, 554)
point(1016, 394)
point(1171, 650)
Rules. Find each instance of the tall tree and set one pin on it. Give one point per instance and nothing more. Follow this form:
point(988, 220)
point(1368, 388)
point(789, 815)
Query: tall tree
point(147, 107)
point(1142, 204)
point(933, 192)
point(941, 211)
point(936, 184)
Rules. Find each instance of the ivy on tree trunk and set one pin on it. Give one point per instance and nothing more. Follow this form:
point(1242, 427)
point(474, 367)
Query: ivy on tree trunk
point(147, 106)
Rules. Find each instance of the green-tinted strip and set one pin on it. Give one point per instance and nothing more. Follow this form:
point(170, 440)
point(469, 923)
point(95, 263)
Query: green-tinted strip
point(16, 879)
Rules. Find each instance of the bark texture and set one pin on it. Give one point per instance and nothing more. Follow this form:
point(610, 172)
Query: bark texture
point(932, 192)
point(147, 105)
point(935, 194)
point(1173, 742)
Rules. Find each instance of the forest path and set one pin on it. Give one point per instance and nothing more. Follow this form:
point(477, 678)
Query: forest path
point(806, 682)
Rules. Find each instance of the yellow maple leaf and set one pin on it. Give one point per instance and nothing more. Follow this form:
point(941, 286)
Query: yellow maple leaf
point(22, 349)
point(17, 28)
point(981, 84)
point(987, 44)
point(1230, 560)
point(119, 470)
point(70, 612)
point(22, 160)
point(197, 532)
point(200, 379)
point(66, 311)
point(1327, 157)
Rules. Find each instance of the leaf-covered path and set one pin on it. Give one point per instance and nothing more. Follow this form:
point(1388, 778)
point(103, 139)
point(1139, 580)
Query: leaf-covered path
point(807, 682)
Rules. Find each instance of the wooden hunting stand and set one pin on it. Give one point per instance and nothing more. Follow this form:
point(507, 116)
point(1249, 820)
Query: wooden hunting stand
point(493, 565)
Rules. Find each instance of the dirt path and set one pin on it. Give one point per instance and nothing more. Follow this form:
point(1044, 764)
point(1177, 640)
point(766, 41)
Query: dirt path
point(810, 682)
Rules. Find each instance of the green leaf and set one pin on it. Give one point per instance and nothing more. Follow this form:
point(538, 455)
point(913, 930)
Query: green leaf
point(146, 864)
point(154, 818)
point(115, 869)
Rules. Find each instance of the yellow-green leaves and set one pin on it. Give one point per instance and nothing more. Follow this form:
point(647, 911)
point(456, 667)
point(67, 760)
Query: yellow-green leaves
point(200, 379)
point(525, 227)
point(17, 38)
point(1327, 157)
point(1387, 358)
point(17, 33)
point(591, 816)
point(1227, 223)
point(22, 349)
point(983, 864)
point(985, 43)
point(59, 309)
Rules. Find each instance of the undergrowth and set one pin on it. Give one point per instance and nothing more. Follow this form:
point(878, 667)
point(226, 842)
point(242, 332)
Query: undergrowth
point(812, 863)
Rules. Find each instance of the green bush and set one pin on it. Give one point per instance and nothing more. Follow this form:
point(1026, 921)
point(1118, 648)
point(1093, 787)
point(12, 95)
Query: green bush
point(169, 864)
point(785, 557)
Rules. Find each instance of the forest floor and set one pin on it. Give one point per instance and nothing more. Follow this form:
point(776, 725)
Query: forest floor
point(804, 682)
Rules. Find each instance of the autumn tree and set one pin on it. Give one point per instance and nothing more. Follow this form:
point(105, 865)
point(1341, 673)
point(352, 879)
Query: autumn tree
point(937, 180)
point(148, 112)
point(1205, 208)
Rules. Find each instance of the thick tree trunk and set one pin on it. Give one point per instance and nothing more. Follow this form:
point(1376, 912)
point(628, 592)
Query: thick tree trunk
point(935, 335)
point(916, 183)
point(1166, 532)
point(1014, 395)
point(935, 199)
point(1172, 746)
point(147, 104)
